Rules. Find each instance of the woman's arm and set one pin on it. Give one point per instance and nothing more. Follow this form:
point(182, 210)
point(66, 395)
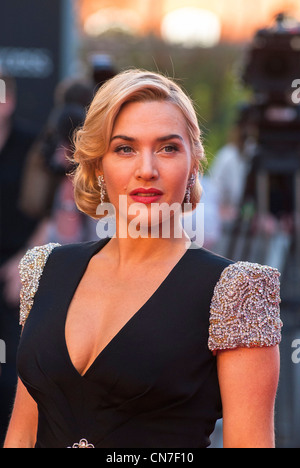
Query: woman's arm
point(248, 381)
point(24, 420)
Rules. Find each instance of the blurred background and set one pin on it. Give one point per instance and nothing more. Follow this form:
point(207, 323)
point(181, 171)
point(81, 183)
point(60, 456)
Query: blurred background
point(240, 63)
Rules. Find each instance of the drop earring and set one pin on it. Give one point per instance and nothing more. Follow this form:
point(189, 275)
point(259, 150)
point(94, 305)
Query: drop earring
point(102, 186)
point(190, 185)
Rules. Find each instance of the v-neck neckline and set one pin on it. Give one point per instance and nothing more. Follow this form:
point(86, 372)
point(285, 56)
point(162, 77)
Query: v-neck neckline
point(129, 322)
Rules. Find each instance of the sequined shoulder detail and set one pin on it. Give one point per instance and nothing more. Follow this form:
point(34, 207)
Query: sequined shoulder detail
point(245, 309)
point(31, 269)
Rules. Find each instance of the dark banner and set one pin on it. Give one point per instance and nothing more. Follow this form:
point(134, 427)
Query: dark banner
point(31, 41)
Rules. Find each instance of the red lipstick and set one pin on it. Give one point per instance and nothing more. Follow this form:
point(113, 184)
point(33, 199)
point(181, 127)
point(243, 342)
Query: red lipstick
point(147, 196)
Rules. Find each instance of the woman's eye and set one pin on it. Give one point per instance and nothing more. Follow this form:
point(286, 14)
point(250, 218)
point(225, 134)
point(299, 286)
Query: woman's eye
point(124, 149)
point(170, 149)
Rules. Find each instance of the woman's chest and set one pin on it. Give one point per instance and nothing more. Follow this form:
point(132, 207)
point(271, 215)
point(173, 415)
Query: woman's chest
point(116, 330)
point(98, 313)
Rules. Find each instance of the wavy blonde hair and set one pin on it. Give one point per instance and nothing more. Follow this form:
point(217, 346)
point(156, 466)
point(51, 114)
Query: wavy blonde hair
point(93, 139)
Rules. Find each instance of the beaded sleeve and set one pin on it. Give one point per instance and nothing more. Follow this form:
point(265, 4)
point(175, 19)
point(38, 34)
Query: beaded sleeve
point(245, 309)
point(31, 269)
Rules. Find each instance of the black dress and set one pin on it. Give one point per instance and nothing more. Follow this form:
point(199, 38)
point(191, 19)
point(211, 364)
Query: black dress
point(154, 385)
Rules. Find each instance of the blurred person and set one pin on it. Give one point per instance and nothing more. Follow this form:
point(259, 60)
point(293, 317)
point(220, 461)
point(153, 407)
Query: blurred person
point(77, 90)
point(66, 223)
point(16, 139)
point(229, 172)
point(42, 174)
point(103, 68)
point(143, 341)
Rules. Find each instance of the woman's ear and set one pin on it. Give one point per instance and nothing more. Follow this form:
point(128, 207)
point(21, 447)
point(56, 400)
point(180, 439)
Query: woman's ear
point(194, 171)
point(98, 169)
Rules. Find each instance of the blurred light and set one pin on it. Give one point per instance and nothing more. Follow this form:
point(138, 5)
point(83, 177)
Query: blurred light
point(192, 27)
point(112, 18)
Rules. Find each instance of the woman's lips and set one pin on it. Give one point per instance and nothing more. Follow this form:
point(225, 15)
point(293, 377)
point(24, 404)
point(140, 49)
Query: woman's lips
point(147, 196)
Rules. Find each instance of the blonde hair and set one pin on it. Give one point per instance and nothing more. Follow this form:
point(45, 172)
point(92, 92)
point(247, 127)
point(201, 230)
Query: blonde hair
point(93, 139)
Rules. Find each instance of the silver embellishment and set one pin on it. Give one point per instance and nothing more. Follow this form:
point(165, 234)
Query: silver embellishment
point(101, 183)
point(190, 185)
point(31, 269)
point(245, 309)
point(83, 443)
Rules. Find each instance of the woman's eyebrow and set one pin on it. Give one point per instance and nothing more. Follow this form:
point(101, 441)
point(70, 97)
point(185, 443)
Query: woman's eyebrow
point(122, 137)
point(170, 137)
point(160, 139)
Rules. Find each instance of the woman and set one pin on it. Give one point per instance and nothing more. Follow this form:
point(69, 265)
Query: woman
point(138, 340)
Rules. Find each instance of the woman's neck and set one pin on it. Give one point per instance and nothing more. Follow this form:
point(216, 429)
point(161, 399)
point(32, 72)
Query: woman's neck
point(143, 250)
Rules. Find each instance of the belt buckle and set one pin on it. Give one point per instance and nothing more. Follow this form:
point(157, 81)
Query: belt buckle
point(83, 443)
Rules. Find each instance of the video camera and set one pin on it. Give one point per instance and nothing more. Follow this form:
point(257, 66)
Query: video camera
point(273, 61)
point(272, 66)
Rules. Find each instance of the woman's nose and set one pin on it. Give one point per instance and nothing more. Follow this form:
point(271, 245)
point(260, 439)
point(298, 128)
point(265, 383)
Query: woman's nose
point(147, 167)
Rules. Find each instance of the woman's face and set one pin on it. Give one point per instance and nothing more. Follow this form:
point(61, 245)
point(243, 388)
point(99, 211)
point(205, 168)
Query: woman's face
point(149, 158)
